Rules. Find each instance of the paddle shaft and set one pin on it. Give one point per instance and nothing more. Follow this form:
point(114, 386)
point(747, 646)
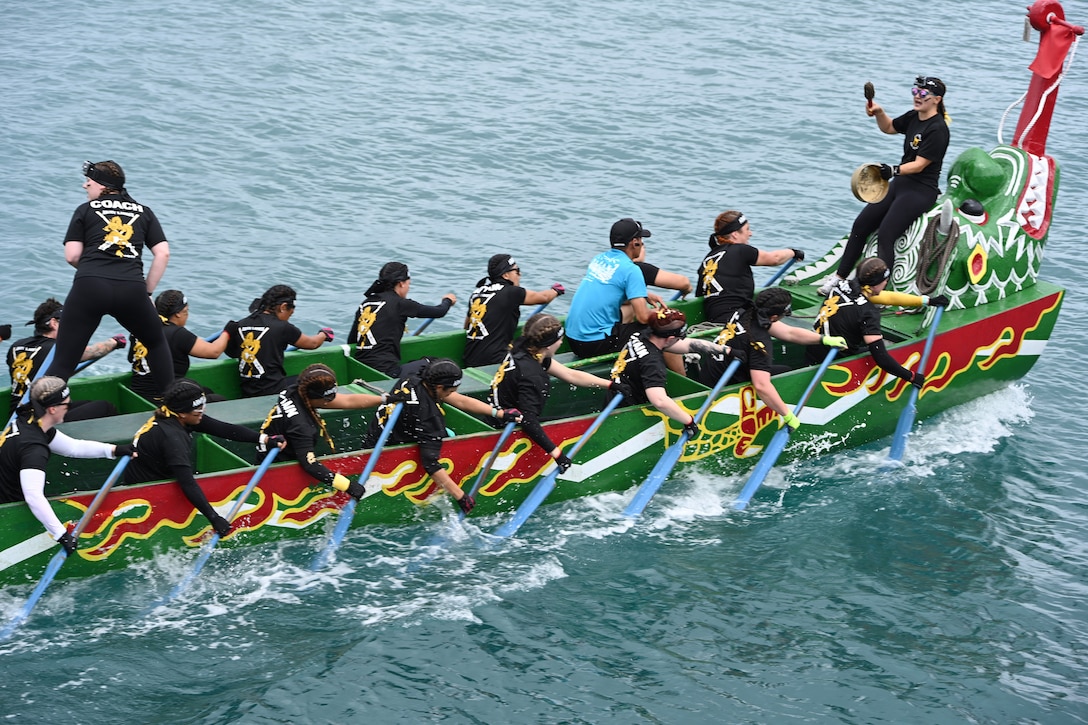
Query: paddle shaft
point(779, 273)
point(672, 455)
point(62, 556)
point(209, 547)
point(547, 484)
point(348, 512)
point(506, 431)
point(906, 417)
point(778, 442)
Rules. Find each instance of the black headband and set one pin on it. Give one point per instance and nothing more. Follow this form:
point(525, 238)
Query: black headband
point(732, 226)
point(874, 278)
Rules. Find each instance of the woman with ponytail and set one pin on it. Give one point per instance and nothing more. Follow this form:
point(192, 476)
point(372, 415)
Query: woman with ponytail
point(850, 313)
point(381, 318)
point(522, 380)
point(915, 180)
point(259, 341)
point(164, 445)
point(296, 419)
point(28, 441)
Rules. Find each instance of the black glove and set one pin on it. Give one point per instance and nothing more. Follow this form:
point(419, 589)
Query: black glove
point(692, 428)
point(938, 301)
point(328, 333)
point(123, 449)
point(559, 289)
point(917, 379)
point(887, 172)
point(356, 490)
point(68, 542)
point(220, 524)
point(5, 332)
point(466, 503)
point(618, 386)
point(269, 443)
point(798, 254)
point(510, 414)
point(564, 462)
point(120, 340)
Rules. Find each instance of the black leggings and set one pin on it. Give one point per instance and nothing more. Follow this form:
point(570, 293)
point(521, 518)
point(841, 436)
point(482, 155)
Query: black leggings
point(91, 299)
point(889, 218)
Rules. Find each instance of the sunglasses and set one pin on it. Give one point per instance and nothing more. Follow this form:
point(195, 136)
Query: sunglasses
point(921, 93)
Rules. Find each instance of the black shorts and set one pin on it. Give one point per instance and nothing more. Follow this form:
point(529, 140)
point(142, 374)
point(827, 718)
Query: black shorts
point(615, 341)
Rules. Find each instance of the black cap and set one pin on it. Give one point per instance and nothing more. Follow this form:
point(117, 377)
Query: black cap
point(625, 230)
point(394, 272)
point(499, 265)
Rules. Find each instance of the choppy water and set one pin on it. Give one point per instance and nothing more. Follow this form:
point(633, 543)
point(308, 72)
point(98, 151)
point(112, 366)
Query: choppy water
point(309, 143)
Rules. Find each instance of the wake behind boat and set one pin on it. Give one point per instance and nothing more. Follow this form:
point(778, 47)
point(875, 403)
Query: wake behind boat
point(981, 245)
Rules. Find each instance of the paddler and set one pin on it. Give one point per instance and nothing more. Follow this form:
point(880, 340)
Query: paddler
point(25, 447)
point(641, 367)
point(522, 380)
point(259, 340)
point(748, 333)
point(26, 356)
point(494, 308)
point(164, 445)
point(726, 283)
point(381, 317)
point(914, 180)
point(851, 312)
point(426, 384)
point(295, 417)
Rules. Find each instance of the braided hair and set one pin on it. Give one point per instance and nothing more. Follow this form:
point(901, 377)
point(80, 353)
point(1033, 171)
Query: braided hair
point(317, 382)
point(170, 302)
point(45, 312)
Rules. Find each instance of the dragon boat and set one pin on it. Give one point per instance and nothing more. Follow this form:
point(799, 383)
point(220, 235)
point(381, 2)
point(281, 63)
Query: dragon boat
point(981, 245)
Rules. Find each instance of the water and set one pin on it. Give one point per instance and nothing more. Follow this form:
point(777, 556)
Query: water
point(309, 143)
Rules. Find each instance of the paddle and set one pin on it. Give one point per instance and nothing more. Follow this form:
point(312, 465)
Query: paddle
point(542, 489)
point(62, 556)
point(671, 455)
point(210, 545)
point(778, 442)
point(779, 273)
point(506, 431)
point(906, 418)
point(346, 513)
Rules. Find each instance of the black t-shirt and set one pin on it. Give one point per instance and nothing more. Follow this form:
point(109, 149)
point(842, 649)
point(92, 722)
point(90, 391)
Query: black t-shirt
point(523, 382)
point(725, 281)
point(649, 272)
point(928, 139)
point(259, 345)
point(421, 421)
point(179, 340)
point(848, 314)
point(493, 312)
point(291, 419)
point(749, 340)
point(25, 358)
point(379, 325)
point(640, 364)
point(161, 444)
point(23, 445)
point(114, 230)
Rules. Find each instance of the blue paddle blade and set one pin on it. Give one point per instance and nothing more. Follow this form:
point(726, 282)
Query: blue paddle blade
point(906, 417)
point(766, 463)
point(545, 486)
point(657, 477)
